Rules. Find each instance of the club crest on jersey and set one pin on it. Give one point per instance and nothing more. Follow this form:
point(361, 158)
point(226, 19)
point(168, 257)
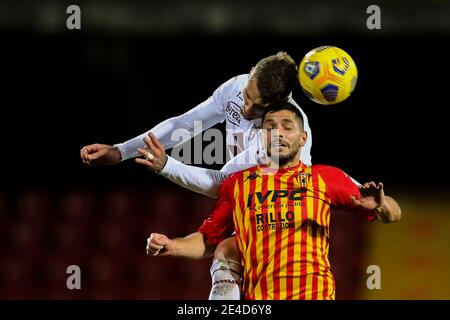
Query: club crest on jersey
point(302, 179)
point(233, 113)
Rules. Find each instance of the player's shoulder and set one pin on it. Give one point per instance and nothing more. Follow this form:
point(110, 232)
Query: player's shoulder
point(330, 173)
point(324, 169)
point(236, 83)
point(242, 78)
point(231, 88)
point(291, 100)
point(240, 175)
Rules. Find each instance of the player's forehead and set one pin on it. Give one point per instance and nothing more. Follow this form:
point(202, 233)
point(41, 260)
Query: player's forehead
point(280, 116)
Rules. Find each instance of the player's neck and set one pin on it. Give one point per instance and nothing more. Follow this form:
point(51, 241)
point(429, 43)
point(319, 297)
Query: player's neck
point(290, 164)
point(285, 164)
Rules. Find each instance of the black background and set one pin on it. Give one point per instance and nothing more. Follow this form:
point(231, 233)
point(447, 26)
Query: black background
point(61, 92)
point(62, 89)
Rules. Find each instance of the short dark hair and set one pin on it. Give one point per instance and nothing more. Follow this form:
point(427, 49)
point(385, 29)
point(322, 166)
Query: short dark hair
point(284, 105)
point(277, 76)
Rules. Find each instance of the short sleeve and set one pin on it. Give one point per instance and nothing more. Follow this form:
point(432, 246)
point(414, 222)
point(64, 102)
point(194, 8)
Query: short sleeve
point(341, 188)
point(219, 224)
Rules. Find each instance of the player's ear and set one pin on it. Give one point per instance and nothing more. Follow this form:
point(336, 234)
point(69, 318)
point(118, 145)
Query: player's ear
point(303, 138)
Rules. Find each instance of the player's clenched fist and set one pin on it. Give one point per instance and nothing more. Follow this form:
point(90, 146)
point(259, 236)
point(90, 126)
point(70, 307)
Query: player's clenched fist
point(100, 154)
point(158, 244)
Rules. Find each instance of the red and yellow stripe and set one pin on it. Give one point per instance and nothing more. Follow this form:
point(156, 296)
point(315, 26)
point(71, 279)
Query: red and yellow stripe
point(285, 263)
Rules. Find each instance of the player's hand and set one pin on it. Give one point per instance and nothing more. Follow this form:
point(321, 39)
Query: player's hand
point(154, 154)
point(158, 244)
point(372, 196)
point(100, 154)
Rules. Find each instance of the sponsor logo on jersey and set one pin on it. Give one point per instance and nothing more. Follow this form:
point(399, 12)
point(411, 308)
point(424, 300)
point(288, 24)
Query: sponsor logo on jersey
point(271, 214)
point(275, 221)
point(274, 195)
point(233, 113)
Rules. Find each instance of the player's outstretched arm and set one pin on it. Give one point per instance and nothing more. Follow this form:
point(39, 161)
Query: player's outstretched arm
point(102, 154)
point(207, 114)
point(193, 246)
point(200, 180)
point(373, 198)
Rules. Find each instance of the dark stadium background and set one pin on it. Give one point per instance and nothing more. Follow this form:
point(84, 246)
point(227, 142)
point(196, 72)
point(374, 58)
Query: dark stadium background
point(135, 63)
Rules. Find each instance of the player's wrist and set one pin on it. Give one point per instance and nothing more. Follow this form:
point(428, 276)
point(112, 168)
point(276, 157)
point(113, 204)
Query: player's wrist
point(166, 164)
point(173, 250)
point(382, 211)
point(166, 157)
point(118, 154)
point(161, 163)
point(117, 149)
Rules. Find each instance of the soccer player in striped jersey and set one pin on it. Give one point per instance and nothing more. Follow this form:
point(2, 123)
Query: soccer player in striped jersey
point(280, 214)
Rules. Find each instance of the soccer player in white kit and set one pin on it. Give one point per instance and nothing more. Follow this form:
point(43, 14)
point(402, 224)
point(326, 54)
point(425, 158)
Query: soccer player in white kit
point(239, 102)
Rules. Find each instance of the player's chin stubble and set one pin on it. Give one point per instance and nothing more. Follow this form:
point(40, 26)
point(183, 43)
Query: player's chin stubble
point(283, 159)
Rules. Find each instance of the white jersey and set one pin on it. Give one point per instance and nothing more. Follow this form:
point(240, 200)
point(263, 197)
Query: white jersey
point(243, 138)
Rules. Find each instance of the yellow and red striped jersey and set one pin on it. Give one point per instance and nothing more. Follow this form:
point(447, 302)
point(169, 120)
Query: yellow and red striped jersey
point(281, 218)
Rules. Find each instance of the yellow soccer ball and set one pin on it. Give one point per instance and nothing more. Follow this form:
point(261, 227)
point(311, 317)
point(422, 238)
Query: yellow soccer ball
point(328, 75)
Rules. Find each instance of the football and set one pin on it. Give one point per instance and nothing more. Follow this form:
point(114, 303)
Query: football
point(327, 75)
